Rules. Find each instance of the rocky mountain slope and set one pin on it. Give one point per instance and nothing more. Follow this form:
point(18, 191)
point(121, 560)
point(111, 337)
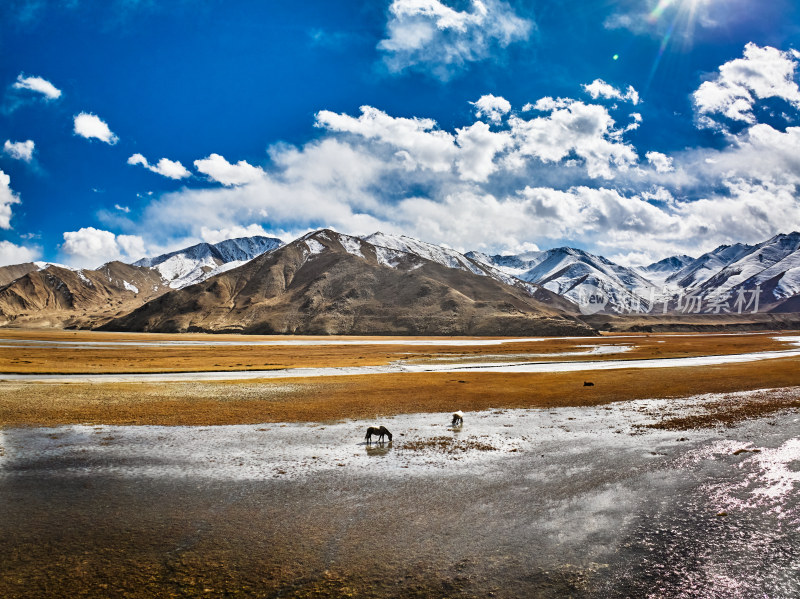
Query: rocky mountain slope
point(56, 296)
point(330, 283)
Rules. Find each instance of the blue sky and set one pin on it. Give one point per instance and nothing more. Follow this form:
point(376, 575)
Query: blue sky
point(632, 129)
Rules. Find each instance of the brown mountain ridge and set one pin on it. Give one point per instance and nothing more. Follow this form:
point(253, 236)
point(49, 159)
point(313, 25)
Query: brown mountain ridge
point(329, 283)
point(64, 298)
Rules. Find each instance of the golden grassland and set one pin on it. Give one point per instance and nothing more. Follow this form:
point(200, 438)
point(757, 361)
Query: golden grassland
point(32, 359)
point(325, 399)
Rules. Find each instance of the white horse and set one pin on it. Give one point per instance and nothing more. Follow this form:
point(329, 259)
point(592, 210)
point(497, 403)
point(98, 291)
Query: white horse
point(458, 418)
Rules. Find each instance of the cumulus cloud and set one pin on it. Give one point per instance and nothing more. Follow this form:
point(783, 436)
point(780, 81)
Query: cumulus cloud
point(216, 168)
point(91, 126)
point(491, 107)
point(380, 172)
point(90, 247)
point(165, 167)
point(429, 36)
point(11, 253)
point(477, 149)
point(600, 89)
point(417, 139)
point(233, 232)
point(661, 162)
point(732, 93)
point(37, 85)
point(7, 199)
point(560, 170)
point(19, 150)
point(586, 130)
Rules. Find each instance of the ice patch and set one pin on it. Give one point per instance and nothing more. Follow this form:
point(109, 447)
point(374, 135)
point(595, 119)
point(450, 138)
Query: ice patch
point(130, 287)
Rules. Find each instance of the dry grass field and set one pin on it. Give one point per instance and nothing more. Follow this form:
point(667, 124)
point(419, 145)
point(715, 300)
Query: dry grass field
point(365, 396)
point(132, 357)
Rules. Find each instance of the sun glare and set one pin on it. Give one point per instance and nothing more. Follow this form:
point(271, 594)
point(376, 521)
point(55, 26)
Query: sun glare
point(680, 18)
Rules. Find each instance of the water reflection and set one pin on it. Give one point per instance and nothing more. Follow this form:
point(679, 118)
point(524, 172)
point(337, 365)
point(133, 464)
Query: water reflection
point(378, 449)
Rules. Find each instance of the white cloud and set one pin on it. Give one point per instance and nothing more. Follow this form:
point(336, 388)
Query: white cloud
point(661, 162)
point(428, 36)
point(234, 232)
point(131, 247)
point(495, 184)
point(587, 130)
point(762, 73)
point(171, 169)
point(572, 127)
point(124, 209)
point(422, 142)
point(17, 254)
point(478, 147)
point(90, 247)
point(491, 107)
point(600, 89)
point(38, 85)
point(220, 170)
point(7, 199)
point(91, 126)
point(19, 150)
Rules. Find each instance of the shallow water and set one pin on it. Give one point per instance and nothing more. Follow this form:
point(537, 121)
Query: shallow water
point(416, 366)
point(585, 502)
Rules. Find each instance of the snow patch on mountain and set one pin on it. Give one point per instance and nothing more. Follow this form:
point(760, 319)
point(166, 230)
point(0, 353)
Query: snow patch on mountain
point(351, 244)
point(46, 265)
point(197, 263)
point(314, 246)
point(389, 257)
point(444, 256)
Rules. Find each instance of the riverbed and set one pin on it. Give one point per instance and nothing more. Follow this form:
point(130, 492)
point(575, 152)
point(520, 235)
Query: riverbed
point(585, 502)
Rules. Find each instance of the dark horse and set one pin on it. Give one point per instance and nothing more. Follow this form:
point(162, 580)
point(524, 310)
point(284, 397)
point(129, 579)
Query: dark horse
point(380, 431)
point(458, 418)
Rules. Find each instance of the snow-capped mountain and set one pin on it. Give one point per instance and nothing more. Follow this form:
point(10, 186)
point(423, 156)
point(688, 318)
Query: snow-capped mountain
point(772, 266)
point(659, 272)
point(446, 257)
point(576, 275)
point(561, 278)
point(199, 262)
point(330, 283)
point(697, 272)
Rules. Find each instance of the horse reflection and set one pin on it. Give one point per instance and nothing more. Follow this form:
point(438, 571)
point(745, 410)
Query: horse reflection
point(378, 450)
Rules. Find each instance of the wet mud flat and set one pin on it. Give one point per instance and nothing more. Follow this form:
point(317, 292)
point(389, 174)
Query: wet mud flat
point(581, 502)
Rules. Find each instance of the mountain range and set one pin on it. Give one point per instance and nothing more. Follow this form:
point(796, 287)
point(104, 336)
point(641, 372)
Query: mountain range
point(331, 283)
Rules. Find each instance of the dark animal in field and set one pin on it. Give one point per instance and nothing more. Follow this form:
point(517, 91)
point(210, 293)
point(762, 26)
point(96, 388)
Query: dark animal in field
point(458, 418)
point(588, 384)
point(380, 431)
